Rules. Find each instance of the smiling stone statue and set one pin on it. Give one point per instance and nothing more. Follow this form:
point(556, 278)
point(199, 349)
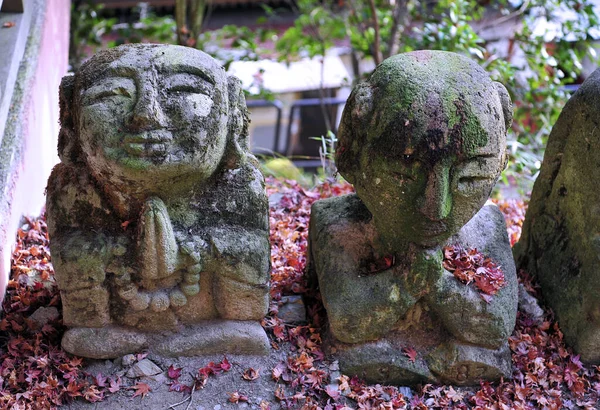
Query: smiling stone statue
point(423, 142)
point(158, 212)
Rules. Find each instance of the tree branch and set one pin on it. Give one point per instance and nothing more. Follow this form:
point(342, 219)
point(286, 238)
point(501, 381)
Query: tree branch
point(377, 41)
point(180, 19)
point(400, 19)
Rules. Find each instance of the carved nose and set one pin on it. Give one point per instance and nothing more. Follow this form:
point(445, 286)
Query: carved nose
point(437, 202)
point(147, 113)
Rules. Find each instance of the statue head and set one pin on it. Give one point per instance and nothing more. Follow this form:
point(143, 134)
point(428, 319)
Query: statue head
point(146, 117)
point(423, 141)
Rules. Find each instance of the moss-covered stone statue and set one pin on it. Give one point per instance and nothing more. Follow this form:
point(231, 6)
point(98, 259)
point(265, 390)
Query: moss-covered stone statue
point(423, 141)
point(158, 212)
point(560, 243)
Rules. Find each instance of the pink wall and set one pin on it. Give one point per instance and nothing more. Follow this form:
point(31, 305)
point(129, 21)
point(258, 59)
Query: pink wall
point(40, 127)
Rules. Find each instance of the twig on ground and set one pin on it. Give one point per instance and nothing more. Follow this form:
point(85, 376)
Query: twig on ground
point(190, 398)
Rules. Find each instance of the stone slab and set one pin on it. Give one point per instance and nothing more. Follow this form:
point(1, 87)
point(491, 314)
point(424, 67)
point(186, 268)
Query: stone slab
point(211, 337)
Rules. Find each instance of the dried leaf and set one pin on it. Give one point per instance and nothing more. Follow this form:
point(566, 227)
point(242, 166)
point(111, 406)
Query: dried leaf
point(141, 389)
point(237, 397)
point(251, 374)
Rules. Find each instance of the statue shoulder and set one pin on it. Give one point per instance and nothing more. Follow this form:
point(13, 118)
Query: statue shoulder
point(238, 197)
point(334, 220)
point(486, 231)
point(73, 201)
point(345, 209)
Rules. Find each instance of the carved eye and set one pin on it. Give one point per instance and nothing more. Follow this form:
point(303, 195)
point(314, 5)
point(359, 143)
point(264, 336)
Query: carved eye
point(109, 88)
point(408, 169)
point(476, 174)
point(111, 93)
point(188, 84)
point(472, 183)
point(186, 88)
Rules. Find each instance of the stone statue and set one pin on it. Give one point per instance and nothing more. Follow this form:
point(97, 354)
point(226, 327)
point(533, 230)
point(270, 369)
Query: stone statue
point(158, 213)
point(560, 243)
point(423, 142)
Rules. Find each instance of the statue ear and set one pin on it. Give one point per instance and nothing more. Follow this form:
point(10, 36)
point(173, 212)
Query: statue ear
point(237, 126)
point(68, 146)
point(350, 140)
point(507, 107)
point(362, 101)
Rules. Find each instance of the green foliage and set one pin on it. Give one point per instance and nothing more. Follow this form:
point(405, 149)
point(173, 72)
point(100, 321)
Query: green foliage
point(313, 32)
point(537, 87)
point(87, 28)
point(148, 28)
point(283, 168)
point(448, 28)
point(376, 29)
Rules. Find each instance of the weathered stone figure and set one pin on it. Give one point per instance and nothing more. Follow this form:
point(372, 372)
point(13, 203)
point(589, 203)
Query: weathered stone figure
point(158, 213)
point(560, 243)
point(423, 142)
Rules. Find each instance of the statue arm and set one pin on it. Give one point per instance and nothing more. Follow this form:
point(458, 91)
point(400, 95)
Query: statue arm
point(361, 306)
point(81, 251)
point(237, 244)
point(230, 240)
point(462, 309)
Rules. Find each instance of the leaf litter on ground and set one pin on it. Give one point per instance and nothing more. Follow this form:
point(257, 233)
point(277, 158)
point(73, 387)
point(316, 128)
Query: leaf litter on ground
point(35, 373)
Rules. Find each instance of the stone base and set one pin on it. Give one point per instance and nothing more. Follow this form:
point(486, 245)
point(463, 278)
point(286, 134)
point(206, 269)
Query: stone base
point(210, 337)
point(384, 361)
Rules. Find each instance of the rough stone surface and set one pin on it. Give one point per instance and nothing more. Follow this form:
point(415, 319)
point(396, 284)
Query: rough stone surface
point(530, 306)
point(143, 368)
point(560, 243)
point(157, 213)
point(216, 337)
point(292, 310)
point(43, 315)
point(128, 360)
point(102, 343)
point(423, 141)
point(461, 364)
point(382, 362)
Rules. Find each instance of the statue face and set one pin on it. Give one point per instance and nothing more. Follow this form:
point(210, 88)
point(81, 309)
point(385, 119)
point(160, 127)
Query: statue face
point(432, 188)
point(151, 114)
point(423, 141)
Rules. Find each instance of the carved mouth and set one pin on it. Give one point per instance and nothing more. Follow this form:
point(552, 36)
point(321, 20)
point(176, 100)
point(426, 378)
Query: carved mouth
point(148, 144)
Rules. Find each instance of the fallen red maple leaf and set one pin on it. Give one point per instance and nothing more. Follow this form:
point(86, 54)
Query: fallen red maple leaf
point(410, 353)
point(141, 389)
point(114, 384)
point(174, 372)
point(225, 365)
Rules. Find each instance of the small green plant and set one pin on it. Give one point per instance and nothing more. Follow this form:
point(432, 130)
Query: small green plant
point(327, 155)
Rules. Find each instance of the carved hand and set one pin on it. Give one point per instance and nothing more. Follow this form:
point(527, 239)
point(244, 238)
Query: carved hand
point(192, 264)
point(157, 247)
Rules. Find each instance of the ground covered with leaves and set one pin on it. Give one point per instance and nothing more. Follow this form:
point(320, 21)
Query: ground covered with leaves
point(35, 373)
